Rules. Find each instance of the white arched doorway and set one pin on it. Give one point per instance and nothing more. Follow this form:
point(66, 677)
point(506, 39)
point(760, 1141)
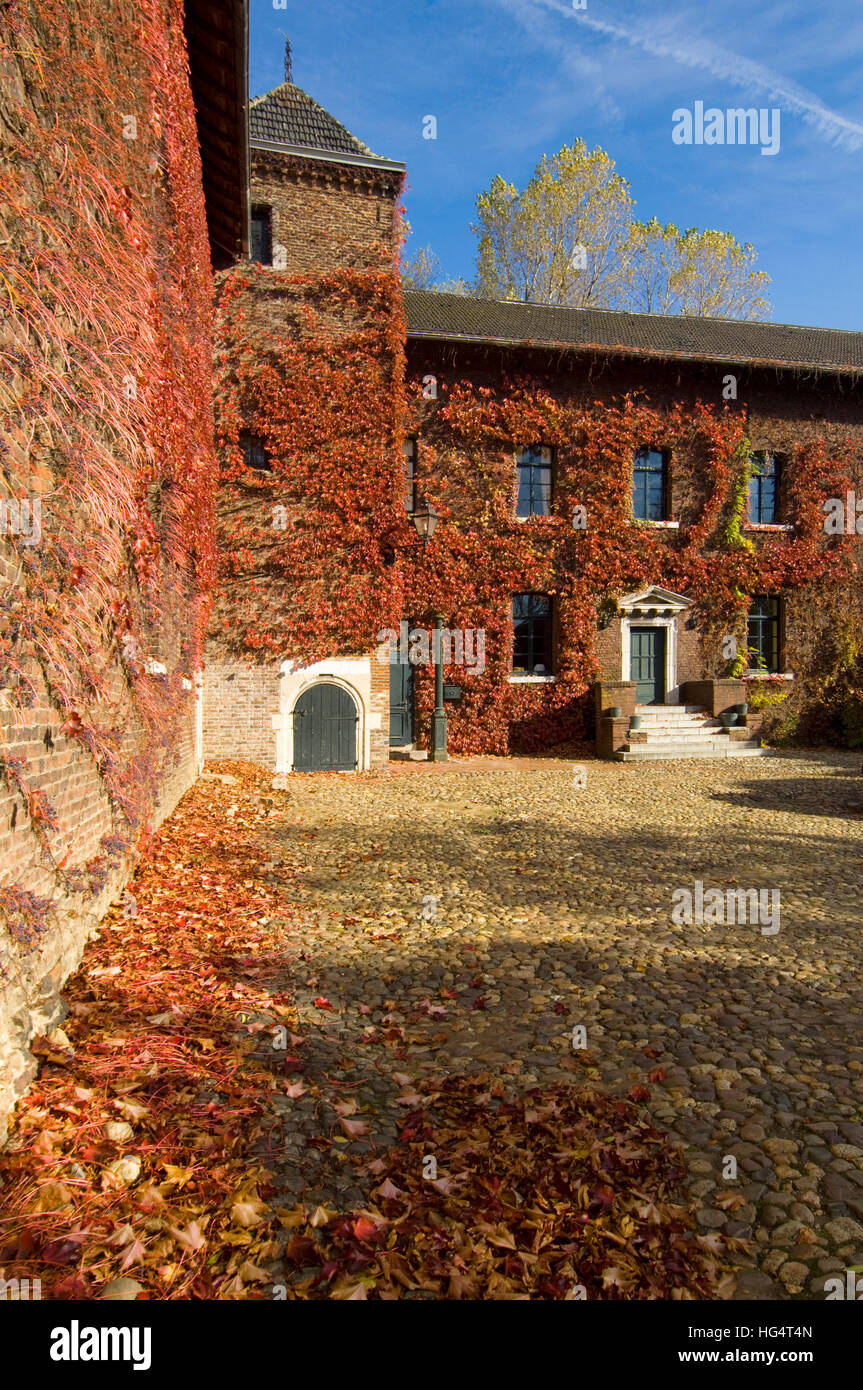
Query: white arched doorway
point(352, 679)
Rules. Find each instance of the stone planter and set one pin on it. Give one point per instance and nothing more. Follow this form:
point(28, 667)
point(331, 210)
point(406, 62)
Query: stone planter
point(728, 718)
point(615, 712)
point(635, 722)
point(743, 710)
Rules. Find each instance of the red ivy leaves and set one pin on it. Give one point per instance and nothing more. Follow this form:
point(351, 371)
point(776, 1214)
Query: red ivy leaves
point(327, 400)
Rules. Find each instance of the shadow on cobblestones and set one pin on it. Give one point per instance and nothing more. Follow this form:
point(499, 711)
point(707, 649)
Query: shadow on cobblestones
point(474, 923)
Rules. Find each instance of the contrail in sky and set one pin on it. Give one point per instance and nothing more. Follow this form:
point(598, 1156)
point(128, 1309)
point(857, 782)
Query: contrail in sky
point(731, 67)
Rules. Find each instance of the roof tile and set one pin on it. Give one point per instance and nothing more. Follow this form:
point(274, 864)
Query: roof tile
point(431, 314)
point(288, 116)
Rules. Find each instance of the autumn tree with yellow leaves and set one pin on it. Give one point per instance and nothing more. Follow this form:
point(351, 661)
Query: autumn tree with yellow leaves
point(570, 237)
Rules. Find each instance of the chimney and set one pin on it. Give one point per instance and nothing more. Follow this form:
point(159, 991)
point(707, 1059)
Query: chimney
point(289, 67)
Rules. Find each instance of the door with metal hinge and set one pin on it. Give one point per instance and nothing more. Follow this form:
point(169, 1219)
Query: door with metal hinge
point(325, 730)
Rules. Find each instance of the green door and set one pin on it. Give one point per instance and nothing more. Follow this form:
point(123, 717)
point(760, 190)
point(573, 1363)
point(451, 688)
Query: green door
point(647, 664)
point(325, 730)
point(401, 704)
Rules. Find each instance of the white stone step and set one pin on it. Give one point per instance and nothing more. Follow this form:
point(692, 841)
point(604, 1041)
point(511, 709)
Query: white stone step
point(693, 723)
point(673, 743)
point(684, 733)
point(407, 753)
point(666, 721)
point(724, 748)
point(670, 709)
point(670, 716)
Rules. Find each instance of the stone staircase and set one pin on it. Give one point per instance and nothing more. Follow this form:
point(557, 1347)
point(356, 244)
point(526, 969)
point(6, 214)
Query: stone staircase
point(684, 731)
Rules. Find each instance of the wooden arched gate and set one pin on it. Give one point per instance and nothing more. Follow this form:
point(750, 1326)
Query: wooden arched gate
point(325, 730)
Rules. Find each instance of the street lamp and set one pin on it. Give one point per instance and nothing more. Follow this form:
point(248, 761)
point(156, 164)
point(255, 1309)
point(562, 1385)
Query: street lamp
point(425, 519)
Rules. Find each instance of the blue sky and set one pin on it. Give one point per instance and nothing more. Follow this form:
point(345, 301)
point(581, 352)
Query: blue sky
point(510, 80)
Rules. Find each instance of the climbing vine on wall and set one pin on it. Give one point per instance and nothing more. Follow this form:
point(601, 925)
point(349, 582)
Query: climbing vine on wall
point(468, 439)
point(313, 368)
point(314, 373)
point(105, 369)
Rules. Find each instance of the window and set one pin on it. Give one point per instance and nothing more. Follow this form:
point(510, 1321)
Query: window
point(648, 485)
point(410, 452)
point(254, 452)
point(531, 650)
point(763, 634)
point(262, 236)
point(534, 482)
point(764, 490)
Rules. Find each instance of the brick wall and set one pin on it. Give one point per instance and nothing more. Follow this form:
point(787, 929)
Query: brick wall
point(121, 226)
point(782, 412)
point(240, 699)
point(33, 971)
point(380, 704)
point(327, 216)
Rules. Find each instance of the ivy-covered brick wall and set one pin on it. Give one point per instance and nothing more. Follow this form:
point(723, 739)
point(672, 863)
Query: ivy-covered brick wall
point(310, 363)
point(473, 407)
point(105, 412)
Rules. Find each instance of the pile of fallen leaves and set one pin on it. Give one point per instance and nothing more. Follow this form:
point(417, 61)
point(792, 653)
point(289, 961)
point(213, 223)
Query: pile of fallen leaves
point(557, 1194)
point(129, 1171)
point(138, 1162)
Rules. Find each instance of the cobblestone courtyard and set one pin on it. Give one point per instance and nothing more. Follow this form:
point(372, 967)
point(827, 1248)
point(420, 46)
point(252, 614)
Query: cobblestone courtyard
point(463, 918)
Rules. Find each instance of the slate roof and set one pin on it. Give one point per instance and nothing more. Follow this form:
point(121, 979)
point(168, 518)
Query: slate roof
point(459, 318)
point(288, 116)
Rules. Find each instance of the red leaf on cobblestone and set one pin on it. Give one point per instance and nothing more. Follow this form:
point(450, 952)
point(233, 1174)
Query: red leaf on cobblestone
point(364, 1229)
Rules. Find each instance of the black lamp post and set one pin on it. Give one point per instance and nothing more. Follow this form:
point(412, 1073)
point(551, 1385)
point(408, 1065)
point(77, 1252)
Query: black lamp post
point(425, 519)
point(438, 748)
